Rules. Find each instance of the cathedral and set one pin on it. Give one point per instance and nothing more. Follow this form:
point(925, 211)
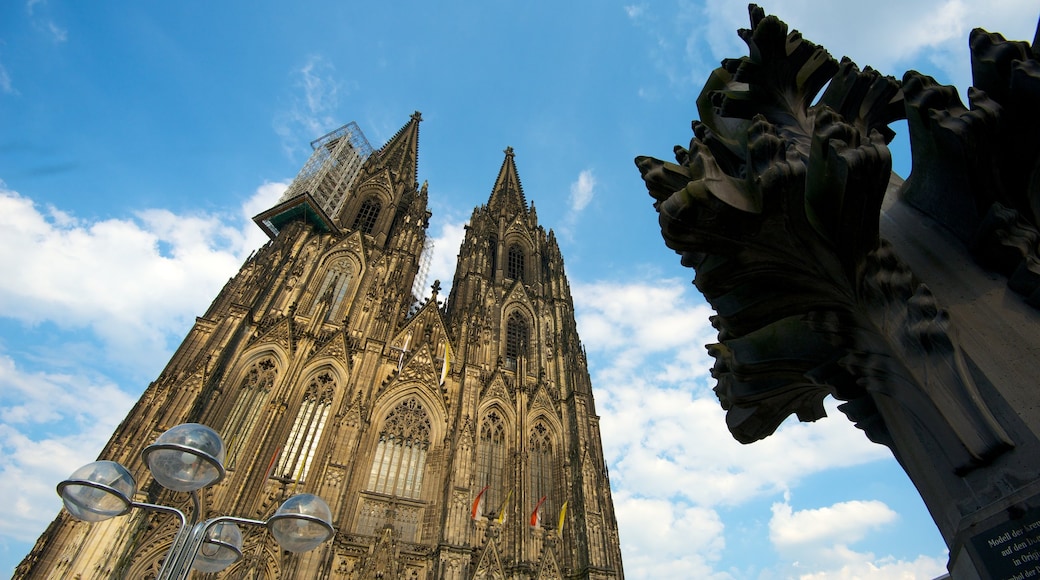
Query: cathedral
point(452, 438)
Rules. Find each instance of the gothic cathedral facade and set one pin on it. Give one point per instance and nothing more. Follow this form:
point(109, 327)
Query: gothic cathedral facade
point(452, 439)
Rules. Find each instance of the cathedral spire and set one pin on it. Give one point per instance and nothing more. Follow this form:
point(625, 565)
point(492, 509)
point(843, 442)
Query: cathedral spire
point(401, 153)
point(508, 193)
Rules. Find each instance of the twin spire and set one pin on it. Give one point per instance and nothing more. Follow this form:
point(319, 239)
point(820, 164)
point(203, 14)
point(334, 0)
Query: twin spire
point(400, 155)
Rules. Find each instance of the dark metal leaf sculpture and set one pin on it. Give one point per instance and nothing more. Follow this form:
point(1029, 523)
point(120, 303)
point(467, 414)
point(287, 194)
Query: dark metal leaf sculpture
point(775, 203)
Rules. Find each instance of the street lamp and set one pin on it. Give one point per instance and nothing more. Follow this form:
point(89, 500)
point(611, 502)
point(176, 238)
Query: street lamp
point(188, 458)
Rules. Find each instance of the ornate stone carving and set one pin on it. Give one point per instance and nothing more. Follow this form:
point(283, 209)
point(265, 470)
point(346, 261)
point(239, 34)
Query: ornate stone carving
point(775, 204)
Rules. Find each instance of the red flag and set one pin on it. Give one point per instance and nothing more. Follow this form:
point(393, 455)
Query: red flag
point(270, 464)
point(476, 503)
point(534, 514)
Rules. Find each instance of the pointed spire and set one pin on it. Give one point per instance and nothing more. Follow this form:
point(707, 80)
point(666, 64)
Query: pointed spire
point(508, 194)
point(401, 153)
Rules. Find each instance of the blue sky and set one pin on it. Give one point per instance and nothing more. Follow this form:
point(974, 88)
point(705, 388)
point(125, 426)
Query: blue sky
point(138, 138)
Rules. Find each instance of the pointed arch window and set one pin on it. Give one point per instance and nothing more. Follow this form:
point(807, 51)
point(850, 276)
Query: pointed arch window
point(516, 338)
point(515, 263)
point(296, 456)
point(491, 456)
point(333, 290)
point(397, 468)
point(493, 254)
point(252, 394)
point(543, 466)
point(367, 215)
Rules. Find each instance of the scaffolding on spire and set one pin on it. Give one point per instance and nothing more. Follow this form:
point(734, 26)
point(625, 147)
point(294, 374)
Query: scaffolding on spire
point(332, 168)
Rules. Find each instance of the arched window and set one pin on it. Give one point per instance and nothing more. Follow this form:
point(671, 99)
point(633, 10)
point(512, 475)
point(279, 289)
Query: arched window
point(491, 456)
point(252, 394)
point(367, 214)
point(515, 264)
point(333, 290)
point(299, 449)
point(540, 449)
point(516, 338)
point(400, 458)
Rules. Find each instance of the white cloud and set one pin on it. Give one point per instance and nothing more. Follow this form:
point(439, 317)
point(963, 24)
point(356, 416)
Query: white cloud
point(313, 109)
point(665, 437)
point(582, 190)
point(58, 34)
point(843, 523)
point(663, 540)
point(689, 39)
point(137, 283)
point(885, 34)
point(5, 82)
point(446, 246)
point(134, 284)
point(635, 11)
point(815, 543)
point(50, 424)
point(651, 374)
point(673, 51)
point(864, 567)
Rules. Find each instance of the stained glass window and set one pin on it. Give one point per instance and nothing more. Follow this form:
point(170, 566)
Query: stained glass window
point(490, 460)
point(296, 456)
point(252, 394)
point(397, 468)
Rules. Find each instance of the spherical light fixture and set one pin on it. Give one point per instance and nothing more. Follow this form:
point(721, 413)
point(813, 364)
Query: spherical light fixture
point(221, 548)
point(187, 457)
point(301, 523)
point(98, 491)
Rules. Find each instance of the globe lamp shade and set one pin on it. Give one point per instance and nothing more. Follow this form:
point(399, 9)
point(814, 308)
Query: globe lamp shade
point(302, 523)
point(221, 548)
point(98, 491)
point(188, 457)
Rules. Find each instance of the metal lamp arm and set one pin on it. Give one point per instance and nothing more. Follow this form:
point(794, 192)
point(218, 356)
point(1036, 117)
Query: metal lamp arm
point(196, 537)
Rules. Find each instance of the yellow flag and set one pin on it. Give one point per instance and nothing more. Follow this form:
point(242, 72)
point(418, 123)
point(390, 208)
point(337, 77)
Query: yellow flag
point(502, 510)
point(563, 513)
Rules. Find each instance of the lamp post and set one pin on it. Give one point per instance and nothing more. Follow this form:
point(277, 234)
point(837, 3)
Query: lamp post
point(188, 458)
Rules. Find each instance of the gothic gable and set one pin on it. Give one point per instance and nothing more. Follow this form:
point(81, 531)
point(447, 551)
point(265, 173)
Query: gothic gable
point(517, 293)
point(496, 388)
point(384, 561)
point(518, 230)
point(278, 332)
point(426, 329)
point(336, 346)
point(489, 566)
point(467, 433)
point(419, 366)
point(549, 570)
point(353, 245)
point(380, 183)
point(542, 400)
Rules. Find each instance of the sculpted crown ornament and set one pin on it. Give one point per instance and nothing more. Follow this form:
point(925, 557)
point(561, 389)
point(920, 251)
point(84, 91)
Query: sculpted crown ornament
point(776, 203)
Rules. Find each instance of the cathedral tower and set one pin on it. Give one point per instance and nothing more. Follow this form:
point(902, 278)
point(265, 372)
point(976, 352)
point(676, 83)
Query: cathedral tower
point(451, 440)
